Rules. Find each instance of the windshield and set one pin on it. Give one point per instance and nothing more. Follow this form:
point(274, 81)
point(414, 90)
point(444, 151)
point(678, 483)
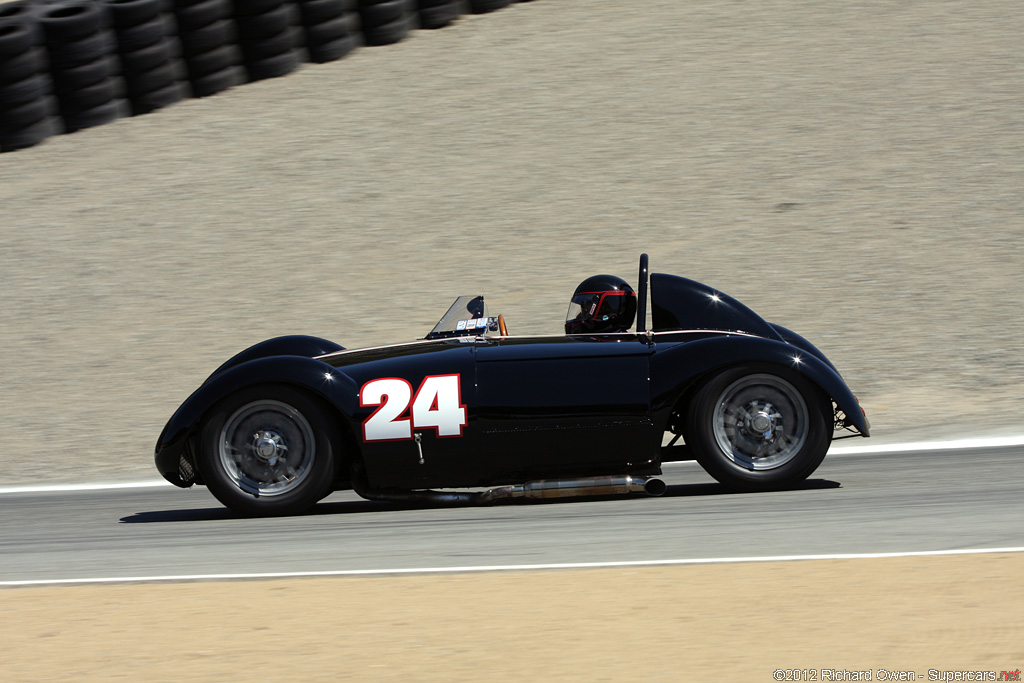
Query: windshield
point(466, 317)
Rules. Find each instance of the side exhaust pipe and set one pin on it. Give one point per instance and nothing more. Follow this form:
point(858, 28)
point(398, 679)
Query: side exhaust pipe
point(546, 488)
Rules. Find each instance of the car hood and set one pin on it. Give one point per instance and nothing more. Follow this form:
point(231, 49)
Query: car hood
point(341, 359)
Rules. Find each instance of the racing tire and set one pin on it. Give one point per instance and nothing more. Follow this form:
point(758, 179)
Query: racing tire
point(216, 82)
point(148, 58)
point(387, 34)
point(268, 451)
point(376, 13)
point(130, 38)
point(328, 52)
point(72, 54)
point(84, 75)
point(210, 37)
point(758, 428)
point(13, 118)
point(72, 21)
point(190, 15)
point(315, 12)
point(26, 136)
point(24, 91)
point(326, 31)
point(273, 67)
point(152, 100)
point(22, 16)
point(214, 61)
point(21, 66)
point(438, 16)
point(143, 82)
point(485, 6)
point(256, 27)
point(125, 13)
point(76, 120)
point(88, 97)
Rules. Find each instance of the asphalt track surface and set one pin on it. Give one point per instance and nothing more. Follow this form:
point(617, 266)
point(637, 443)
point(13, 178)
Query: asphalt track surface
point(922, 501)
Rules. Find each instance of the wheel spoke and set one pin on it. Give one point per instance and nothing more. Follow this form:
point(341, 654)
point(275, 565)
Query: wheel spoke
point(268, 446)
point(760, 422)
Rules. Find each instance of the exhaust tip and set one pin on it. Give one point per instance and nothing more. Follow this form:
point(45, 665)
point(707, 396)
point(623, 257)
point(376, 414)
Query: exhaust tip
point(655, 487)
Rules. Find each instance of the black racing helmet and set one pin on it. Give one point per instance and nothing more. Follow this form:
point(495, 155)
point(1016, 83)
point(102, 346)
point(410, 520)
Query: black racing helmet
point(601, 304)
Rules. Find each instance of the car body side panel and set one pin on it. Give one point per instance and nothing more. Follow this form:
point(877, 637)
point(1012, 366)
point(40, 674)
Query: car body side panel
point(394, 461)
point(565, 406)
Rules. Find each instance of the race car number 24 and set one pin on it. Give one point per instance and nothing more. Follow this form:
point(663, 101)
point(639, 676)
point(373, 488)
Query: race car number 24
point(436, 404)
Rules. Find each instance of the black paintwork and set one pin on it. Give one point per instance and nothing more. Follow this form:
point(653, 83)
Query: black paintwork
point(536, 407)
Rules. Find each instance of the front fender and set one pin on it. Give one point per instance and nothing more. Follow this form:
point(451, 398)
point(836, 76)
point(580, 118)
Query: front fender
point(682, 367)
point(290, 345)
point(173, 459)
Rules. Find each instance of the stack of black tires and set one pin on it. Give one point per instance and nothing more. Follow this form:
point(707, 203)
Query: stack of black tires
point(437, 13)
point(26, 99)
point(267, 36)
point(66, 65)
point(483, 6)
point(209, 45)
point(146, 51)
point(330, 28)
point(80, 47)
point(385, 22)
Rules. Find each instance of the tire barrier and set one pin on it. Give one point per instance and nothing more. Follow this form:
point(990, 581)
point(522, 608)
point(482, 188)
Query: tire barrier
point(385, 22)
point(267, 36)
point(209, 45)
point(83, 66)
point(327, 28)
point(66, 65)
point(435, 14)
point(484, 6)
point(26, 92)
point(145, 50)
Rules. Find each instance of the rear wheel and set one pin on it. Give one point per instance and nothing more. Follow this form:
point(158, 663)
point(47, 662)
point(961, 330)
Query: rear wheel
point(268, 451)
point(757, 429)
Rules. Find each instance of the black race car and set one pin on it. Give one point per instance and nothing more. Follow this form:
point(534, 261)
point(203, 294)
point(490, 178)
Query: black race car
point(594, 411)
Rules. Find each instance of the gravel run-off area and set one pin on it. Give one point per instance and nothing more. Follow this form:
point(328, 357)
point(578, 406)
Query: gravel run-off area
point(854, 171)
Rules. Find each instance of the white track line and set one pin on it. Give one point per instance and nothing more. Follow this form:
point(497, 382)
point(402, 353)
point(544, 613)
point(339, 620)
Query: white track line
point(59, 488)
point(504, 567)
point(837, 449)
point(955, 444)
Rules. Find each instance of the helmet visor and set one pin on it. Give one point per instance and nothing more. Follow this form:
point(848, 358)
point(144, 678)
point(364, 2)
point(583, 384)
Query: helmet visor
point(596, 310)
point(582, 307)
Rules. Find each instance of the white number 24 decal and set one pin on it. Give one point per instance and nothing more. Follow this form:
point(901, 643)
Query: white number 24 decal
point(437, 404)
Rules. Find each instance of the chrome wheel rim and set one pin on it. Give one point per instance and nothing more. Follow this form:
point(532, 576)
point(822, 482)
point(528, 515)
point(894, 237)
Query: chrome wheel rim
point(761, 422)
point(267, 448)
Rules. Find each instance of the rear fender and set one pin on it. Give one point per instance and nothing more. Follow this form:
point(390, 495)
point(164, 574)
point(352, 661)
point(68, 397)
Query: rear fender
point(680, 369)
point(335, 388)
point(791, 337)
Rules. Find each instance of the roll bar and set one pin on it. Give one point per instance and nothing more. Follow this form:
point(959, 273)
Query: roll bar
point(641, 295)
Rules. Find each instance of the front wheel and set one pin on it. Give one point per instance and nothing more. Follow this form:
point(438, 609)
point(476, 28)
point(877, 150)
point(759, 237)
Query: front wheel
point(268, 451)
point(757, 429)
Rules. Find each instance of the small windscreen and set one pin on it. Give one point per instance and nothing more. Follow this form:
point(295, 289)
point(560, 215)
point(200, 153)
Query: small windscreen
point(466, 317)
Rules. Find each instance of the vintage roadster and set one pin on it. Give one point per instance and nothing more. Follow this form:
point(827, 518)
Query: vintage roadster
point(593, 411)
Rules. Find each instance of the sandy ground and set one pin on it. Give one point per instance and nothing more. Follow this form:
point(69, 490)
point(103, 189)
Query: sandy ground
point(699, 623)
point(851, 170)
